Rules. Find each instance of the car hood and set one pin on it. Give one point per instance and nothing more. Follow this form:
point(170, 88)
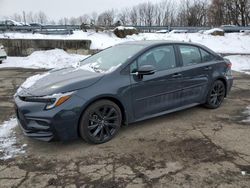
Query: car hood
point(60, 81)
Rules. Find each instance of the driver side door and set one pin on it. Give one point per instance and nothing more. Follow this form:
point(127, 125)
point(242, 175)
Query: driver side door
point(161, 91)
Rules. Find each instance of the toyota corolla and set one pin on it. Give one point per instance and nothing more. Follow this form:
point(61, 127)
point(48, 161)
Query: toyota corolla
point(125, 83)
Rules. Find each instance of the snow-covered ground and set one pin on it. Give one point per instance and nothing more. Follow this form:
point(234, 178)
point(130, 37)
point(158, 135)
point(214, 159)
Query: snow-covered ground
point(230, 43)
point(8, 145)
point(44, 60)
point(240, 63)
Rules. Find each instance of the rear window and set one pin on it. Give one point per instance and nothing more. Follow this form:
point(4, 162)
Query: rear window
point(206, 56)
point(190, 55)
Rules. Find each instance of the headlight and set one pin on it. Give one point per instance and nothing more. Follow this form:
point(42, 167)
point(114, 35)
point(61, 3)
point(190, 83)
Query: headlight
point(51, 101)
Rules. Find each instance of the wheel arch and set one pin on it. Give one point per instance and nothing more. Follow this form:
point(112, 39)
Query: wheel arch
point(224, 82)
point(110, 98)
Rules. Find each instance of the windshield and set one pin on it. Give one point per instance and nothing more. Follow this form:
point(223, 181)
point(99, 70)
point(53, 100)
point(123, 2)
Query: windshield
point(110, 59)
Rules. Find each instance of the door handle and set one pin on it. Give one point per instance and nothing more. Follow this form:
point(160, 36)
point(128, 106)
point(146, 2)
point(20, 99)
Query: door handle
point(176, 75)
point(208, 68)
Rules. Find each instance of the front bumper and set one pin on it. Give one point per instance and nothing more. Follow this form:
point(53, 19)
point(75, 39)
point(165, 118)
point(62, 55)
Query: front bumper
point(60, 123)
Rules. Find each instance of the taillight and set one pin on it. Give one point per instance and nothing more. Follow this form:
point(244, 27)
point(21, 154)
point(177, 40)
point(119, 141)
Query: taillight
point(229, 65)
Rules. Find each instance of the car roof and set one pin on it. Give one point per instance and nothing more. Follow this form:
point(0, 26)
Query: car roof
point(148, 43)
point(152, 43)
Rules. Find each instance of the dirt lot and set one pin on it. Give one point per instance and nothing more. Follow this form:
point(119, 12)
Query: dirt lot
point(192, 148)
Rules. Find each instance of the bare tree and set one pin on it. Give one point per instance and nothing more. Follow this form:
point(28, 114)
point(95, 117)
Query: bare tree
point(93, 18)
point(63, 21)
point(42, 17)
point(30, 17)
point(182, 13)
point(197, 13)
point(84, 19)
point(142, 13)
point(133, 16)
point(123, 16)
point(150, 13)
point(73, 21)
point(164, 13)
point(16, 17)
point(106, 18)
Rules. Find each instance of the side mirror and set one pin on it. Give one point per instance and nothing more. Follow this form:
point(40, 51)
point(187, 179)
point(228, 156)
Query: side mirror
point(146, 70)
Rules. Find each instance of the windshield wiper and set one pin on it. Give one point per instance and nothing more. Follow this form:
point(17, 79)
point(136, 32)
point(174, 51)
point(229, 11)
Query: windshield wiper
point(96, 69)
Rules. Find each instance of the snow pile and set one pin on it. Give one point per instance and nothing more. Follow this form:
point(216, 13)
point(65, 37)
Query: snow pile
point(8, 145)
point(162, 31)
point(44, 59)
point(124, 28)
point(247, 112)
point(178, 31)
point(240, 63)
point(209, 32)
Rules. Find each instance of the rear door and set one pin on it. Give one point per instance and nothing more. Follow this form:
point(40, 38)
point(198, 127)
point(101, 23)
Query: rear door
point(153, 94)
point(196, 74)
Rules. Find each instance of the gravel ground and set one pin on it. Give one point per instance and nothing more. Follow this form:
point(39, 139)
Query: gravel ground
point(191, 148)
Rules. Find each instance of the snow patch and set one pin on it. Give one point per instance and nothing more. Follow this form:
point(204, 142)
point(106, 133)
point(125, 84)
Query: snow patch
point(240, 63)
point(209, 32)
point(178, 31)
point(31, 81)
point(8, 145)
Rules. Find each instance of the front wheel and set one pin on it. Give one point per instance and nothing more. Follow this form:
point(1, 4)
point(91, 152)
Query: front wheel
point(100, 122)
point(216, 95)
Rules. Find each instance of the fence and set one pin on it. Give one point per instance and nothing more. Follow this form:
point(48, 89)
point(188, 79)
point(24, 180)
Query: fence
point(68, 29)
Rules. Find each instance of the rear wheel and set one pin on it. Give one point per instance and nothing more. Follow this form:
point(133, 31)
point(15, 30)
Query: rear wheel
point(100, 122)
point(216, 95)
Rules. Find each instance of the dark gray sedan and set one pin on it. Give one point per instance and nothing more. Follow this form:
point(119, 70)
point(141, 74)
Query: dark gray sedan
point(126, 83)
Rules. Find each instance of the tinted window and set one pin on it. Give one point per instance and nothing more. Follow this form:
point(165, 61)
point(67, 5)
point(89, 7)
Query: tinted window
point(206, 56)
point(161, 58)
point(190, 55)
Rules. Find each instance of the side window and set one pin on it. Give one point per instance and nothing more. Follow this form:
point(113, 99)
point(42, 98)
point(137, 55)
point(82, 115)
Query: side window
point(133, 67)
point(190, 55)
point(162, 58)
point(206, 56)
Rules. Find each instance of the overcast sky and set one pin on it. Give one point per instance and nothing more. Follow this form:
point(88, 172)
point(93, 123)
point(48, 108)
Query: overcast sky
point(56, 9)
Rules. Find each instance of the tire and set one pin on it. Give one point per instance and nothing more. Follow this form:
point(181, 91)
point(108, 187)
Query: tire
point(216, 95)
point(100, 122)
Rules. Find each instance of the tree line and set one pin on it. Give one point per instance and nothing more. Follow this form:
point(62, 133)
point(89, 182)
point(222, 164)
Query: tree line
point(165, 13)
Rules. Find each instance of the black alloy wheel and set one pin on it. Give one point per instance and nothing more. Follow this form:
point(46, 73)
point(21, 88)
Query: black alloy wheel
point(100, 122)
point(216, 95)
